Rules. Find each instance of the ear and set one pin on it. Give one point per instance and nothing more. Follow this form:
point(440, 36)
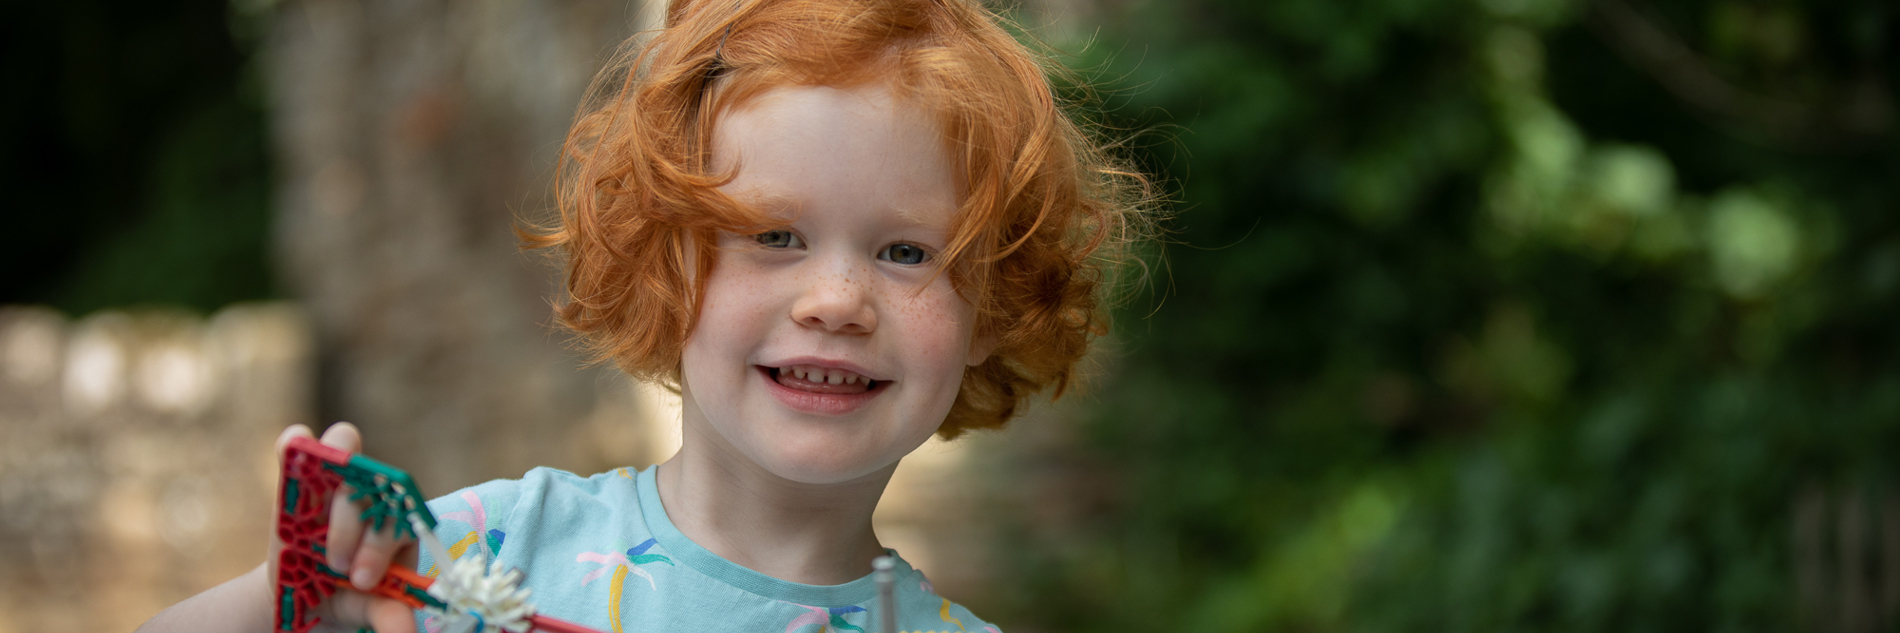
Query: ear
point(981, 346)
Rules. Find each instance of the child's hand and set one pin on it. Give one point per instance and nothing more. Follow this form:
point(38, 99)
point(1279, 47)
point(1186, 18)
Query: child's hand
point(362, 554)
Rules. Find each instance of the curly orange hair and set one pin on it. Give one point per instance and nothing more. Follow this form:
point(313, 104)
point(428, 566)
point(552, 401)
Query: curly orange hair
point(1045, 219)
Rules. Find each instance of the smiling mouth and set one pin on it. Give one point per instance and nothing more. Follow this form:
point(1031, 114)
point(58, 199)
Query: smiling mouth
point(821, 380)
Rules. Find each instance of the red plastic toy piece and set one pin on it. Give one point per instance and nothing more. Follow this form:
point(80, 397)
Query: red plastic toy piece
point(312, 472)
point(303, 518)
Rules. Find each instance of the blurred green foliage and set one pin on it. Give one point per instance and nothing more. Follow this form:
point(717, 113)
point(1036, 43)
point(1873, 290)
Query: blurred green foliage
point(1491, 315)
point(135, 162)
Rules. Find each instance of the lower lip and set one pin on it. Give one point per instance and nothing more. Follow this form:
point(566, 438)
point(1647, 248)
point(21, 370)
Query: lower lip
point(818, 403)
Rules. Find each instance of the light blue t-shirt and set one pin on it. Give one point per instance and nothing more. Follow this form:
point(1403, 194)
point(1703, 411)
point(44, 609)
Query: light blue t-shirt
point(601, 552)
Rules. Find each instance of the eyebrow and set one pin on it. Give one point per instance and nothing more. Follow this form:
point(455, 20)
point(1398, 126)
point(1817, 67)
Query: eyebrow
point(914, 217)
point(770, 203)
point(789, 208)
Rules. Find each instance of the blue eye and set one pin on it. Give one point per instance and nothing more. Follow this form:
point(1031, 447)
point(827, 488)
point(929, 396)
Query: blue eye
point(906, 254)
point(780, 238)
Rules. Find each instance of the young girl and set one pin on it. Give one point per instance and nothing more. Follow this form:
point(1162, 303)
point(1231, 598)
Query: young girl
point(836, 227)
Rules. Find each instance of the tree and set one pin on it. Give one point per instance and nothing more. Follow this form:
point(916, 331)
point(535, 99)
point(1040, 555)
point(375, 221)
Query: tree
point(1499, 315)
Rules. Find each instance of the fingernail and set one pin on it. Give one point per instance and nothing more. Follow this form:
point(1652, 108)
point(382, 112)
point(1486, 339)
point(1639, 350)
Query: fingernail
point(362, 580)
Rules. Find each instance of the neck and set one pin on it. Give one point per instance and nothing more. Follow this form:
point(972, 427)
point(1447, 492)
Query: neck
point(817, 534)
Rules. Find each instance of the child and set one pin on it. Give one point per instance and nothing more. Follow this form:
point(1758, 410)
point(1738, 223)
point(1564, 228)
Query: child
point(836, 227)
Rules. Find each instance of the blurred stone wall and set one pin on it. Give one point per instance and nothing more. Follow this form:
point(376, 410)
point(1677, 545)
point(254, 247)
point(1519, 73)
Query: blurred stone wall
point(135, 464)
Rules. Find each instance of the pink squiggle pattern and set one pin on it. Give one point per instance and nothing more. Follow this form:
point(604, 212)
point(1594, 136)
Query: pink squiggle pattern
point(476, 516)
point(609, 559)
point(817, 616)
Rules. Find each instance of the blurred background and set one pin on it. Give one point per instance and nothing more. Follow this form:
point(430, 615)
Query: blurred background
point(1474, 315)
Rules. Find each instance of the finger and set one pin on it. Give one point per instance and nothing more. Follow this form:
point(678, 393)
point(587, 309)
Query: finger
point(343, 435)
point(390, 616)
point(348, 610)
point(290, 432)
point(346, 523)
point(373, 557)
point(346, 531)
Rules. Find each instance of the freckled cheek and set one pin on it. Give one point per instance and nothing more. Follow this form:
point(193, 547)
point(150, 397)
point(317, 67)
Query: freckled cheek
point(735, 303)
point(938, 325)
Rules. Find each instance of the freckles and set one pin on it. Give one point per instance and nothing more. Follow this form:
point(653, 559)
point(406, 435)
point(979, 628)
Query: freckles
point(939, 319)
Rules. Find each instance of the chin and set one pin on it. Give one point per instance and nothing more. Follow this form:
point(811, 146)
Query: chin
point(820, 467)
point(819, 459)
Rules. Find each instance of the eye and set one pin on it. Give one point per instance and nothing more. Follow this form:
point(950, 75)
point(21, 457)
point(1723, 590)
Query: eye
point(906, 254)
point(779, 238)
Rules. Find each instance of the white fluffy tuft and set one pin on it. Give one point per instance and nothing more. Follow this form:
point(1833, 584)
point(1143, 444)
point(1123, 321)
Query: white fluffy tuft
point(491, 598)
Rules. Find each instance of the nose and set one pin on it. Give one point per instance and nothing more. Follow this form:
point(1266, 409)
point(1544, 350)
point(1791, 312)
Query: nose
point(836, 299)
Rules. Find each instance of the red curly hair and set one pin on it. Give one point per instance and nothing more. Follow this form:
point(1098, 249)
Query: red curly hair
point(1045, 219)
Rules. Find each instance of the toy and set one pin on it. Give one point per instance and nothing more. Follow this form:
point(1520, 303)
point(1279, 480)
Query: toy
point(472, 598)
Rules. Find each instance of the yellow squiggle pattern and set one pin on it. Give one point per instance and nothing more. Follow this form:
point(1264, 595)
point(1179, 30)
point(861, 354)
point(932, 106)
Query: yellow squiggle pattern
point(455, 551)
point(944, 613)
point(613, 605)
point(463, 545)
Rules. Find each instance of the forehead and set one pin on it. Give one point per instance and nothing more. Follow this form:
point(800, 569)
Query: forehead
point(830, 146)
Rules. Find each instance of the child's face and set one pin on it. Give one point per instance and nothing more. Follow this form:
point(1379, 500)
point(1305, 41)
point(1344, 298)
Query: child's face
point(821, 354)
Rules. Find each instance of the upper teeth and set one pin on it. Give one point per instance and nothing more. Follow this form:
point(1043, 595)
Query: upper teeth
point(820, 374)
